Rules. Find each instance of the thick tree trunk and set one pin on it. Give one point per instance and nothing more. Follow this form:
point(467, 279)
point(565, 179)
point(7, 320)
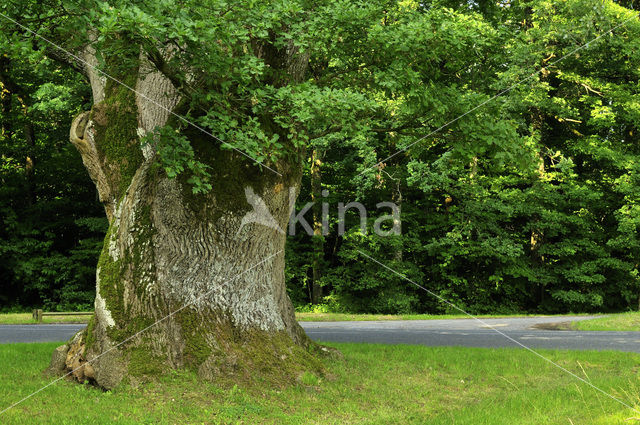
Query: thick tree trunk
point(181, 281)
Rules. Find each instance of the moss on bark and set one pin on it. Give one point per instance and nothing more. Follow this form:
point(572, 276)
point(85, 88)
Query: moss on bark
point(142, 362)
point(116, 123)
point(90, 337)
point(196, 348)
point(182, 226)
point(114, 275)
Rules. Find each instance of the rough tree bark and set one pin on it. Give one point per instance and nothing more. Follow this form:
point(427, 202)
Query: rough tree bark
point(167, 248)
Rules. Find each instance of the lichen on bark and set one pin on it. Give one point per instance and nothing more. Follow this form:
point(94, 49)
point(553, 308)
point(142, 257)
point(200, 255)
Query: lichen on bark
point(207, 294)
point(115, 127)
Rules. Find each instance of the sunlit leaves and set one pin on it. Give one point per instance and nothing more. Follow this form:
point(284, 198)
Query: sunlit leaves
point(176, 156)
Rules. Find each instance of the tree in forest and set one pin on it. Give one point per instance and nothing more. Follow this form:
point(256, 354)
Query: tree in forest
point(544, 236)
point(51, 227)
point(554, 231)
point(266, 80)
point(197, 103)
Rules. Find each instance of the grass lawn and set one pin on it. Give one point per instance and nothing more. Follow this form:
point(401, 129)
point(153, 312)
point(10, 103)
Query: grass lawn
point(26, 318)
point(374, 384)
point(611, 322)
point(339, 317)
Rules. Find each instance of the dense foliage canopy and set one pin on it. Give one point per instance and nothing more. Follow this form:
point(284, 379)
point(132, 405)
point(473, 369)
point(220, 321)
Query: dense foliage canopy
point(530, 202)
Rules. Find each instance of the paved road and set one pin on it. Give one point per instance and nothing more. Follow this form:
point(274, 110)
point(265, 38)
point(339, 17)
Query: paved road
point(470, 333)
point(460, 332)
point(38, 333)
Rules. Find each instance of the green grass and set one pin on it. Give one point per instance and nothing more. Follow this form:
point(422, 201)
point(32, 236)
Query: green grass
point(374, 384)
point(611, 322)
point(340, 317)
point(27, 318)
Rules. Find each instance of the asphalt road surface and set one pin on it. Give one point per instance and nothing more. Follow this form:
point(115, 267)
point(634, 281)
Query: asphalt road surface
point(38, 333)
point(471, 333)
point(454, 332)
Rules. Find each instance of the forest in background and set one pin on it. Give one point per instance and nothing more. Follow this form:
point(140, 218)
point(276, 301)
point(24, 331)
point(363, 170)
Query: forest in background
point(529, 204)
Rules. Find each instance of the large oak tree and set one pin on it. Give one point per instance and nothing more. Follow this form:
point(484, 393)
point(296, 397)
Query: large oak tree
point(197, 104)
point(200, 106)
